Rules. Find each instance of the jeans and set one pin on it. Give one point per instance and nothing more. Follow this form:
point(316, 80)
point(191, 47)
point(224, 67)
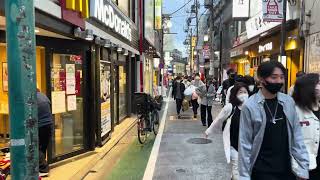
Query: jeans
point(234, 164)
point(204, 111)
point(272, 176)
point(195, 106)
point(179, 105)
point(45, 134)
point(315, 174)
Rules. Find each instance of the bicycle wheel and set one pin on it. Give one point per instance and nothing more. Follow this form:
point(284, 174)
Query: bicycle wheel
point(142, 133)
point(155, 122)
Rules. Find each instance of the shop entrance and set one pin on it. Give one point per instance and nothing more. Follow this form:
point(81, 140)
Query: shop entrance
point(4, 100)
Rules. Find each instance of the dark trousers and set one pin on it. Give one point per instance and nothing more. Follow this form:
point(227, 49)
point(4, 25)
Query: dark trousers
point(179, 105)
point(315, 174)
point(204, 111)
point(272, 176)
point(195, 106)
point(45, 133)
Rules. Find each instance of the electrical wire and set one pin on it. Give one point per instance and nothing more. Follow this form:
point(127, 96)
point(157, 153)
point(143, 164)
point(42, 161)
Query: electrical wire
point(314, 1)
point(180, 8)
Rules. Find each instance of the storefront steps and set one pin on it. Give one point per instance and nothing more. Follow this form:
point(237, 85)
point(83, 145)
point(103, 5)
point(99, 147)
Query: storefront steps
point(76, 168)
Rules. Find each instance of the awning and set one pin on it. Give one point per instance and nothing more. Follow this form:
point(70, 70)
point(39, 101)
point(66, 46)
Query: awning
point(246, 44)
point(104, 35)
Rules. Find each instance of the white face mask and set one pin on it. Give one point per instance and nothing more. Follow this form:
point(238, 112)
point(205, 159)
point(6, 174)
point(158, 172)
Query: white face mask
point(197, 78)
point(251, 88)
point(243, 97)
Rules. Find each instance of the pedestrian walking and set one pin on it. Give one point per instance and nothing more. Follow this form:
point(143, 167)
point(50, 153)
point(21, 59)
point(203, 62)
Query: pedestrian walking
point(45, 128)
point(228, 83)
point(178, 90)
point(206, 94)
point(307, 96)
point(230, 114)
point(194, 99)
point(270, 134)
point(298, 75)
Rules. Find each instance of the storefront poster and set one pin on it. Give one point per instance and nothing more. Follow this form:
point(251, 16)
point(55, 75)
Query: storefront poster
point(272, 10)
point(70, 79)
point(5, 77)
point(72, 103)
point(58, 102)
point(314, 54)
point(105, 99)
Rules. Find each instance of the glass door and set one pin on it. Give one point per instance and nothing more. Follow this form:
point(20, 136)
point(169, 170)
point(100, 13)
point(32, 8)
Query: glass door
point(122, 93)
point(67, 103)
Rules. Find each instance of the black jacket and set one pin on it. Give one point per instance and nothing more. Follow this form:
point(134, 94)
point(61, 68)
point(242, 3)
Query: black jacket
point(182, 88)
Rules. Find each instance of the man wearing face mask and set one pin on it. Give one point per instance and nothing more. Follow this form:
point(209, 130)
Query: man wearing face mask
point(226, 84)
point(206, 94)
point(177, 93)
point(270, 134)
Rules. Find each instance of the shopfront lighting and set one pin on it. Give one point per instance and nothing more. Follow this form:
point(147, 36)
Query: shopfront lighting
point(87, 34)
point(107, 43)
point(126, 52)
point(133, 55)
point(36, 30)
point(195, 53)
point(246, 52)
point(119, 49)
point(206, 38)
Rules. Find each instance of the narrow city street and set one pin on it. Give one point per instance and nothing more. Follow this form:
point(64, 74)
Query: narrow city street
point(175, 157)
point(179, 158)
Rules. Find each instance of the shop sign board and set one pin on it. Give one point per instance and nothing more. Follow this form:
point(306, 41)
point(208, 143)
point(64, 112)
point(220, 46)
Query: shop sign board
point(265, 47)
point(256, 25)
point(272, 10)
point(149, 31)
point(105, 12)
point(240, 9)
point(158, 14)
point(105, 90)
point(206, 52)
point(313, 63)
point(236, 52)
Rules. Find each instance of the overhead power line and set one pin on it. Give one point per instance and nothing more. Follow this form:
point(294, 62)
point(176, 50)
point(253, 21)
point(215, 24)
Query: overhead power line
point(180, 8)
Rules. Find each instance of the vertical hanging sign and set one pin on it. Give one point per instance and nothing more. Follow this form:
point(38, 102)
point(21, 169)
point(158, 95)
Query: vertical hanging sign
point(158, 14)
point(272, 10)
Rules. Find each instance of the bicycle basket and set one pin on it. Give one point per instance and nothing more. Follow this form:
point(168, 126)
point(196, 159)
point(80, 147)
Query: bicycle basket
point(142, 102)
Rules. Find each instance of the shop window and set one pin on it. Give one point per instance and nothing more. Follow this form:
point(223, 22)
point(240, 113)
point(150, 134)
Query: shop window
point(122, 92)
point(4, 99)
point(67, 103)
point(105, 94)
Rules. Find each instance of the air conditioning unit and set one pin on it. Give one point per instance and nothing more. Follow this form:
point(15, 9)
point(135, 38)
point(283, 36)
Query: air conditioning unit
point(208, 3)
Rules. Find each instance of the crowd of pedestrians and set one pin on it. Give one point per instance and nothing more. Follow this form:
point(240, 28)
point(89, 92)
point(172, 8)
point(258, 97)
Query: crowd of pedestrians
point(268, 133)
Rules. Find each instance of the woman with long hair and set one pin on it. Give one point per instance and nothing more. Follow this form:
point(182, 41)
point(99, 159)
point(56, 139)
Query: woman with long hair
point(307, 96)
point(231, 115)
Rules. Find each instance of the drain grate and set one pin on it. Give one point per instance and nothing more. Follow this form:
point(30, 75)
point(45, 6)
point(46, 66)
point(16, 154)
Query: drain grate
point(199, 141)
point(181, 170)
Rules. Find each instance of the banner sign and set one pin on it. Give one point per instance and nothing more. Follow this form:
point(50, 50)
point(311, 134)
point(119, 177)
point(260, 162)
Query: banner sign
point(158, 14)
point(240, 9)
point(272, 10)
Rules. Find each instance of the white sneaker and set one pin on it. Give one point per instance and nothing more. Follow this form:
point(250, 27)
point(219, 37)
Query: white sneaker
point(43, 174)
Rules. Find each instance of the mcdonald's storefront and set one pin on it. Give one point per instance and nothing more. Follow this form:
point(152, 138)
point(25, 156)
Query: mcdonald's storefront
point(88, 82)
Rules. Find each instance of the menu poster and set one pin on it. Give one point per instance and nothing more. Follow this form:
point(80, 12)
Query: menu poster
point(70, 79)
point(72, 103)
point(58, 102)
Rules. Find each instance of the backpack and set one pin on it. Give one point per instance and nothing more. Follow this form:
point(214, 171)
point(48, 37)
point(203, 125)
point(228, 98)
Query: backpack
point(230, 115)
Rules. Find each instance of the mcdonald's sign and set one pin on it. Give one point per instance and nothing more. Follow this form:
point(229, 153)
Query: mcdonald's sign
point(81, 6)
point(75, 11)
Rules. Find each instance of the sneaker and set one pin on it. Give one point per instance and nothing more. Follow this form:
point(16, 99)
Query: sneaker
point(179, 117)
point(195, 116)
point(43, 174)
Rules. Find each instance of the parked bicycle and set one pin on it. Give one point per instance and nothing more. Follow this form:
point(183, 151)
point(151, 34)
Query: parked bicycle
point(148, 115)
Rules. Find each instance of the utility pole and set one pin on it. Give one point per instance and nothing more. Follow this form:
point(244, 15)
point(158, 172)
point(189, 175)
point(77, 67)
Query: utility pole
point(20, 25)
point(283, 29)
point(283, 40)
point(197, 26)
point(191, 54)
